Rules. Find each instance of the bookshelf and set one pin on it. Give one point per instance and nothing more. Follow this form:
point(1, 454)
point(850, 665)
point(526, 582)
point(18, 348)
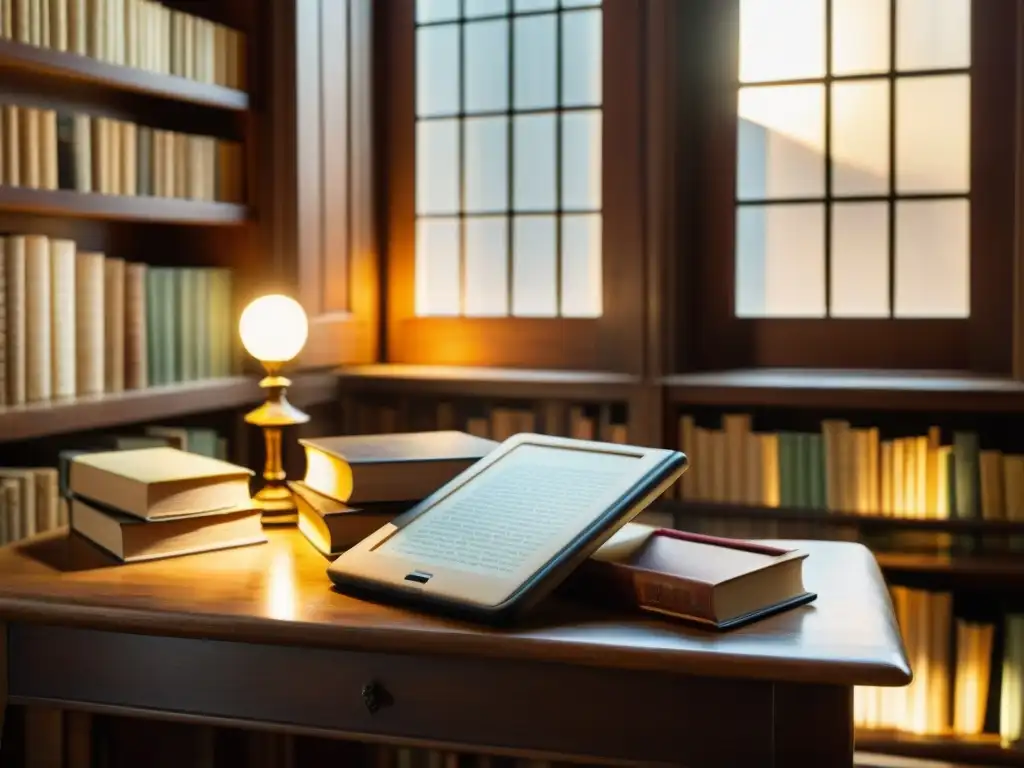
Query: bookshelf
point(61, 68)
point(158, 210)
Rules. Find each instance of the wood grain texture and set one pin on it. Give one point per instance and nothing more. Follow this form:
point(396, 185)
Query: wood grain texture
point(279, 593)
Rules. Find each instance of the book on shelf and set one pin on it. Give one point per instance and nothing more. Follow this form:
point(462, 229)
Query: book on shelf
point(851, 470)
point(966, 681)
point(77, 323)
point(142, 34)
point(48, 149)
point(393, 467)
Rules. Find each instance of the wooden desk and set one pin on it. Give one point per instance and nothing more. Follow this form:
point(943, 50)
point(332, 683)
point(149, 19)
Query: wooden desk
point(257, 637)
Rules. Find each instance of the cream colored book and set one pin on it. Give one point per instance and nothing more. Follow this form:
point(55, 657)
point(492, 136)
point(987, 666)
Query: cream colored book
point(38, 379)
point(62, 316)
point(115, 156)
point(22, 522)
point(78, 27)
point(155, 483)
point(58, 24)
point(14, 269)
point(128, 150)
point(48, 149)
point(11, 146)
point(136, 361)
point(113, 325)
point(31, 160)
point(7, 19)
point(89, 317)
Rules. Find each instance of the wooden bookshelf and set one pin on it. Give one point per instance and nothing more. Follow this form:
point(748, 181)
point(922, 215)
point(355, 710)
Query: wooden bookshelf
point(983, 750)
point(65, 203)
point(74, 69)
point(838, 389)
point(111, 410)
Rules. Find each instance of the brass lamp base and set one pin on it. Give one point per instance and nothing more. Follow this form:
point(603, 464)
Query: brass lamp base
point(275, 499)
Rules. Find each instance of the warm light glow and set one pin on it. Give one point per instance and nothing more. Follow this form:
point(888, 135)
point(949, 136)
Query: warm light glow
point(273, 328)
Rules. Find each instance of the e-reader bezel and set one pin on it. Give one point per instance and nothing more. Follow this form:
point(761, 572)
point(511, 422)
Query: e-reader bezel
point(369, 570)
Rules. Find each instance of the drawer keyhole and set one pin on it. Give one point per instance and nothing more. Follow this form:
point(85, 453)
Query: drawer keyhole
point(375, 696)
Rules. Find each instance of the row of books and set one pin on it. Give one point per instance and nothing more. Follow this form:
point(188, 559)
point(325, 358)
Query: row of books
point(31, 498)
point(960, 684)
point(848, 469)
point(46, 149)
point(76, 323)
point(133, 33)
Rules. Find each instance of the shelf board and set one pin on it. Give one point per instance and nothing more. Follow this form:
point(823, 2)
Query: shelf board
point(983, 750)
point(1002, 572)
point(745, 512)
point(489, 382)
point(111, 410)
point(63, 202)
point(810, 388)
point(58, 65)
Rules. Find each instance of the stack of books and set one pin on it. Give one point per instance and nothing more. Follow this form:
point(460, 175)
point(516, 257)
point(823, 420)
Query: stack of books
point(354, 485)
point(161, 502)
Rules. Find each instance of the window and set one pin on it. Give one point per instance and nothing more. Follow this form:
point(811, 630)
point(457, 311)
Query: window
point(508, 147)
point(514, 227)
point(855, 189)
point(853, 165)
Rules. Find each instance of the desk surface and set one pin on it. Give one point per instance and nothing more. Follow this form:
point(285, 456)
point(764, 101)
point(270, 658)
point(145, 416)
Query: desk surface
point(279, 593)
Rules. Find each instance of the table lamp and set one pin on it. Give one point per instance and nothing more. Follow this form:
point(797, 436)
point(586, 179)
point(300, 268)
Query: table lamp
point(274, 330)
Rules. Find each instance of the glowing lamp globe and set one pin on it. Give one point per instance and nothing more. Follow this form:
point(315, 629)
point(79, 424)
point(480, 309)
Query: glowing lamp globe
point(274, 328)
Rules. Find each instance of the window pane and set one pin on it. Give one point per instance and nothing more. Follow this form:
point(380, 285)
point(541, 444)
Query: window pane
point(437, 70)
point(534, 163)
point(437, 166)
point(860, 138)
point(485, 7)
point(860, 36)
point(860, 260)
point(932, 258)
point(781, 142)
point(933, 34)
point(486, 164)
point(487, 66)
point(533, 266)
point(487, 266)
point(436, 10)
point(579, 3)
point(535, 60)
point(437, 267)
point(781, 39)
point(581, 266)
point(581, 58)
point(522, 6)
point(780, 261)
point(933, 134)
point(581, 160)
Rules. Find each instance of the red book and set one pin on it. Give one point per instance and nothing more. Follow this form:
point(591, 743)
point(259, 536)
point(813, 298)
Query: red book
point(717, 582)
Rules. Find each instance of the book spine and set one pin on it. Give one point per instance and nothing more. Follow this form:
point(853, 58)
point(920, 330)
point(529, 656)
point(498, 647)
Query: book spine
point(673, 595)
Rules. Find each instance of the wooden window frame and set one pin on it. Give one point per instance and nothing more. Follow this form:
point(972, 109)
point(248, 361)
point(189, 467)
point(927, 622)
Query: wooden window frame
point(611, 342)
point(708, 33)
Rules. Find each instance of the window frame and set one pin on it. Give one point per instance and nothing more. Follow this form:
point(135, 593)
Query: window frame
point(720, 340)
point(611, 342)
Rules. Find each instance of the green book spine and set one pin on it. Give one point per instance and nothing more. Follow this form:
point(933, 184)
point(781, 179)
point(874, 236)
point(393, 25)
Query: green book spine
point(968, 487)
point(169, 330)
point(816, 470)
point(787, 469)
point(187, 309)
point(202, 323)
point(154, 325)
point(203, 441)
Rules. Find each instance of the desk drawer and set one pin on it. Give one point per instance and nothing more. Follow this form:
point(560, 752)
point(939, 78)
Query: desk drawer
point(471, 703)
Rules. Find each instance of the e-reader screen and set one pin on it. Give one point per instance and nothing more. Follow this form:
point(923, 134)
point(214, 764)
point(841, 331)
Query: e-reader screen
point(517, 514)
